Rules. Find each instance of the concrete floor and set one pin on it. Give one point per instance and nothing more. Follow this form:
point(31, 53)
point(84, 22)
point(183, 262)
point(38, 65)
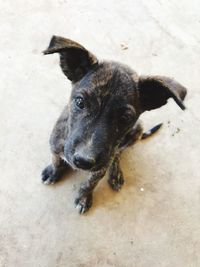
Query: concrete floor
point(154, 220)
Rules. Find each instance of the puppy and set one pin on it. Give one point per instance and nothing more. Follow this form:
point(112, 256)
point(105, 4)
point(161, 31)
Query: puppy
point(101, 118)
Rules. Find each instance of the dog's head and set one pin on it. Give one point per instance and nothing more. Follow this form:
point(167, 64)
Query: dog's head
point(106, 100)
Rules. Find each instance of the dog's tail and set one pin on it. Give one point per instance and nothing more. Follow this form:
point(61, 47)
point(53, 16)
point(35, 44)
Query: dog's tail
point(151, 131)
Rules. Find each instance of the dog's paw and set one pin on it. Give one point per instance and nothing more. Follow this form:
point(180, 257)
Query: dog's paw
point(116, 181)
point(48, 175)
point(83, 203)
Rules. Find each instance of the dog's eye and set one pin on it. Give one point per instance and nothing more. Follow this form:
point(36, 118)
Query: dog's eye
point(79, 101)
point(125, 118)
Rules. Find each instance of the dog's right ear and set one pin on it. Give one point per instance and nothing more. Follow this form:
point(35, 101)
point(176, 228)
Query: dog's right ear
point(75, 60)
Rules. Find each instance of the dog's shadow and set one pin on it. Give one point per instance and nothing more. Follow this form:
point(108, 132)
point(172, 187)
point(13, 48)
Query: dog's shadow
point(137, 174)
point(143, 175)
point(139, 182)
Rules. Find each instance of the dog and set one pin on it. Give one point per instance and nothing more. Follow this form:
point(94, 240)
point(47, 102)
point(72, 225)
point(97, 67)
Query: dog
point(101, 118)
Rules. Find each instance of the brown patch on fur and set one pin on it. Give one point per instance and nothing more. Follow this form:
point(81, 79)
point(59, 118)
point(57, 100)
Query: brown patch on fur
point(59, 133)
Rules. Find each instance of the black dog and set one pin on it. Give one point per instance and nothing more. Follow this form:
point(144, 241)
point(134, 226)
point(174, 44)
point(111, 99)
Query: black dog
point(101, 118)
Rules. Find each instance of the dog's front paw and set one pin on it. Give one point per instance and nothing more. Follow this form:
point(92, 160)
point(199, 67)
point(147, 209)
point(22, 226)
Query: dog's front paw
point(49, 176)
point(116, 181)
point(83, 203)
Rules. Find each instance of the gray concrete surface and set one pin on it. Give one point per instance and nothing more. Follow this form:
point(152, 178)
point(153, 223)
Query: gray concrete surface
point(156, 226)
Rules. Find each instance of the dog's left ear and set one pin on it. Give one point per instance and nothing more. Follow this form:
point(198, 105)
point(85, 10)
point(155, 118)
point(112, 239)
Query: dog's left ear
point(75, 60)
point(154, 92)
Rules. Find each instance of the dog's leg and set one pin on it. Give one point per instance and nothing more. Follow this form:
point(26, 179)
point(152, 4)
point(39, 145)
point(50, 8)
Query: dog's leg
point(132, 137)
point(115, 176)
point(53, 172)
point(84, 200)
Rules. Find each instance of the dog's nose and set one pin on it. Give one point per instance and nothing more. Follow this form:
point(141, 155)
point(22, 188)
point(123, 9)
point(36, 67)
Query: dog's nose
point(83, 163)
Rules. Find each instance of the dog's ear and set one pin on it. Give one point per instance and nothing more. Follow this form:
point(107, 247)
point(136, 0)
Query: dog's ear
point(75, 60)
point(154, 92)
